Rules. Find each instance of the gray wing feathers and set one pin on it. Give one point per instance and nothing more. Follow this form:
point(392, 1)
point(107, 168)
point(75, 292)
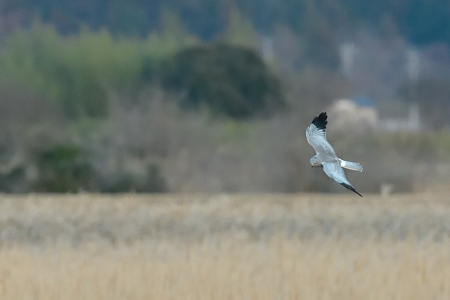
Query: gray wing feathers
point(317, 139)
point(335, 172)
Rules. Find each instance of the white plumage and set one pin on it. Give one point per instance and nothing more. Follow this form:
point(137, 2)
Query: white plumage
point(326, 156)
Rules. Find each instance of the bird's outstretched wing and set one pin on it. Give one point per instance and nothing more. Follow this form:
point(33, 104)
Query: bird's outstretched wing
point(335, 172)
point(316, 135)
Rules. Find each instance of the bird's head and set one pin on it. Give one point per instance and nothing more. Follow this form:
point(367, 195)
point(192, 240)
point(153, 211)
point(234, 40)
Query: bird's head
point(315, 162)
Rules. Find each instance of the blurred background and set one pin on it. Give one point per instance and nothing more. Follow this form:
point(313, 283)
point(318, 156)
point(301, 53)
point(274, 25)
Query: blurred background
point(215, 95)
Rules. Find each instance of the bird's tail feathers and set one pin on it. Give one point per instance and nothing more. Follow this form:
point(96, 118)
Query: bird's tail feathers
point(351, 165)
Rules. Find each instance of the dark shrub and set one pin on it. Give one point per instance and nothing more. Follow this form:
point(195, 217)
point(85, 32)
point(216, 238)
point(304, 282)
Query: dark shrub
point(126, 181)
point(229, 80)
point(63, 168)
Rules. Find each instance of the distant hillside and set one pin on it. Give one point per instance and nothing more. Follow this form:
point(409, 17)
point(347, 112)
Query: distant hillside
point(420, 22)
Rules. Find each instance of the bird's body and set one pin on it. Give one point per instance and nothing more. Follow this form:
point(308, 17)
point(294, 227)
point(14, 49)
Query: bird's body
point(326, 156)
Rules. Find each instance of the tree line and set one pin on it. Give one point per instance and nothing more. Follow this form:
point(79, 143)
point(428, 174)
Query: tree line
point(420, 21)
point(184, 104)
point(64, 96)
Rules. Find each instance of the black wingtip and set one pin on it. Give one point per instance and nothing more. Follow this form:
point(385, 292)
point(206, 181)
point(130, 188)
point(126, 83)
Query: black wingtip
point(351, 188)
point(320, 121)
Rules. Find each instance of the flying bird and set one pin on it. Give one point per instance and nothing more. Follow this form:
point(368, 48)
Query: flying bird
point(325, 156)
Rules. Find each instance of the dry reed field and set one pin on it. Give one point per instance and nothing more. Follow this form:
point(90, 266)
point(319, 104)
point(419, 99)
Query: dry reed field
point(224, 247)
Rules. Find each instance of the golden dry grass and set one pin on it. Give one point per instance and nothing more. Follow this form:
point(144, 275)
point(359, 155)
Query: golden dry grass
point(224, 247)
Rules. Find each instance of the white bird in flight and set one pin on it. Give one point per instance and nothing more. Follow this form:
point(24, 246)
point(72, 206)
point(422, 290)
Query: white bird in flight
point(326, 157)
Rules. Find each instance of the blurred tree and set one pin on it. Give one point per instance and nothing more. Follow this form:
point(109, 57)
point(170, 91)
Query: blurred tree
point(28, 123)
point(126, 182)
point(229, 80)
point(63, 168)
point(81, 72)
point(55, 69)
point(240, 31)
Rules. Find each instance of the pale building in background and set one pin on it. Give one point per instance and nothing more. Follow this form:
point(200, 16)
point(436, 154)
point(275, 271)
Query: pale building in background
point(346, 113)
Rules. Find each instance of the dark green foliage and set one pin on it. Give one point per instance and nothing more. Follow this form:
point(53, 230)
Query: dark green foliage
point(58, 69)
point(13, 181)
point(79, 73)
point(229, 80)
point(63, 168)
point(81, 92)
point(125, 182)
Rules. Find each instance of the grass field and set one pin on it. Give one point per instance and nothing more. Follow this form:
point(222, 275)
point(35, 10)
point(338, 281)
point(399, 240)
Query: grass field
point(225, 247)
